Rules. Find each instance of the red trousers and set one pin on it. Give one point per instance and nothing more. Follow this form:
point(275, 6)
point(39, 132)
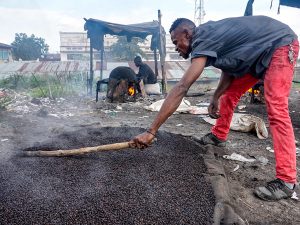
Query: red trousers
point(277, 84)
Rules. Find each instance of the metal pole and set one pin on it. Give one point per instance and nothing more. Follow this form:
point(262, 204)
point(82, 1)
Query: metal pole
point(162, 63)
point(102, 53)
point(91, 69)
point(155, 59)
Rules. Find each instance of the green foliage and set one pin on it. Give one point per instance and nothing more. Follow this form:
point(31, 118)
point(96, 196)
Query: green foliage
point(28, 48)
point(46, 86)
point(4, 101)
point(123, 50)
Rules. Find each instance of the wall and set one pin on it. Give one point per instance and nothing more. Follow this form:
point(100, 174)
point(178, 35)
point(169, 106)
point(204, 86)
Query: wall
point(5, 55)
point(76, 46)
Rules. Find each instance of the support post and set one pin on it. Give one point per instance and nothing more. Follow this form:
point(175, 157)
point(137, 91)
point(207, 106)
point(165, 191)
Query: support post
point(101, 66)
point(91, 70)
point(162, 59)
point(155, 60)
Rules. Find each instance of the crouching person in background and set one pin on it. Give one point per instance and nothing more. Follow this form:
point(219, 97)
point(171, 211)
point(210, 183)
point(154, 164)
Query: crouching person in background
point(121, 79)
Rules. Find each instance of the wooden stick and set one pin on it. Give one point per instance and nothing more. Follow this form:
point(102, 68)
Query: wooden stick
point(79, 151)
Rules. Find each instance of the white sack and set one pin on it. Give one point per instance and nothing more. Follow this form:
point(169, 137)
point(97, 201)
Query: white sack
point(245, 123)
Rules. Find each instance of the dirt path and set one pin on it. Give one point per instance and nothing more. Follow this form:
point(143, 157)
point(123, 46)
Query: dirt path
point(21, 130)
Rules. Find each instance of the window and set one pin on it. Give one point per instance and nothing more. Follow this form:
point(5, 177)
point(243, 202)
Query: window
point(175, 56)
point(3, 54)
point(97, 56)
point(151, 56)
point(74, 56)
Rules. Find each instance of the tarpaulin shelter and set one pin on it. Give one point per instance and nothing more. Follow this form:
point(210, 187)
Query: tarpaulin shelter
point(96, 29)
point(290, 3)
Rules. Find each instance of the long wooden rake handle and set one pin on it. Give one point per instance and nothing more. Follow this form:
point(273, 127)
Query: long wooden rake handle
point(79, 151)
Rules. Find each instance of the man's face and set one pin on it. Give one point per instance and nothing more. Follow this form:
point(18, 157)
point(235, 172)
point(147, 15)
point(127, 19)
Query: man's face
point(181, 39)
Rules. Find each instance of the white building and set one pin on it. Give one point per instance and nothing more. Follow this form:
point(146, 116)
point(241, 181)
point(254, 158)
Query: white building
point(76, 46)
point(5, 53)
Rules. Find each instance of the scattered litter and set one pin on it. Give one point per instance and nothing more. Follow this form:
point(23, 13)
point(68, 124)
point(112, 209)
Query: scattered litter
point(237, 157)
point(264, 161)
point(270, 149)
point(141, 117)
point(183, 107)
point(198, 110)
point(203, 104)
point(241, 107)
point(5, 139)
point(236, 168)
point(36, 101)
point(42, 112)
point(119, 107)
point(179, 125)
point(107, 111)
point(203, 116)
point(67, 114)
point(294, 196)
point(54, 115)
point(245, 123)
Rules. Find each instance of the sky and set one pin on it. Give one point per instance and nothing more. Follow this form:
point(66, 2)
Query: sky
point(46, 19)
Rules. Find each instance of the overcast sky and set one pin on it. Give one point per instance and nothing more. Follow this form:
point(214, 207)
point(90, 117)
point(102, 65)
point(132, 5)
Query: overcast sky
point(46, 19)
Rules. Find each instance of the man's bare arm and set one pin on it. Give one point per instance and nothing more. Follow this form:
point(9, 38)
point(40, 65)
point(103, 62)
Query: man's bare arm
point(177, 93)
point(224, 83)
point(171, 103)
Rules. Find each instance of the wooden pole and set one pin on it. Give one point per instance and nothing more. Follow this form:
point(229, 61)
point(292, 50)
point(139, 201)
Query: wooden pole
point(91, 69)
point(155, 60)
point(79, 151)
point(101, 55)
point(162, 60)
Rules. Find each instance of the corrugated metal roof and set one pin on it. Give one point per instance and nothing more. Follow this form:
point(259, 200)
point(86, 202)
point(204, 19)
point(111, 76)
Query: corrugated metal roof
point(174, 69)
point(44, 67)
point(5, 46)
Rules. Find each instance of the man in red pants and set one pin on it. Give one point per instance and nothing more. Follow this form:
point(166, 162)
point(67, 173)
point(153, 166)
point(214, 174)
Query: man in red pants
point(246, 49)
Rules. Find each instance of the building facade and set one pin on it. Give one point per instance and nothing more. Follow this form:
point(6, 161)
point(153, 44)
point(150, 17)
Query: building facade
point(76, 46)
point(5, 53)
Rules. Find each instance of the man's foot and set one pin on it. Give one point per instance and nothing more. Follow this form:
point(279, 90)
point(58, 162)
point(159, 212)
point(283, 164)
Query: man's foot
point(276, 190)
point(212, 140)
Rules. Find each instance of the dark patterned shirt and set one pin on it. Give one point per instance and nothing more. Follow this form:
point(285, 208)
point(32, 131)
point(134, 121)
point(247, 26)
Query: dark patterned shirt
point(146, 74)
point(241, 45)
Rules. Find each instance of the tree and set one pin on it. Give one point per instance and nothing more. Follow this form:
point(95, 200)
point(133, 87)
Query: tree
point(28, 48)
point(123, 50)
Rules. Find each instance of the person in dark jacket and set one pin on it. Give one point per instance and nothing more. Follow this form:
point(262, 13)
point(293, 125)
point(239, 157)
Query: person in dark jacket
point(145, 72)
point(246, 49)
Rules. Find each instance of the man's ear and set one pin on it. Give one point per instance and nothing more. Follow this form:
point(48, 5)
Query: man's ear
point(187, 34)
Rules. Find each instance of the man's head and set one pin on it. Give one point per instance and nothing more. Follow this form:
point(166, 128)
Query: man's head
point(182, 31)
point(138, 61)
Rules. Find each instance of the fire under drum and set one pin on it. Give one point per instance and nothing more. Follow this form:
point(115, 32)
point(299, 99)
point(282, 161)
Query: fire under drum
point(164, 184)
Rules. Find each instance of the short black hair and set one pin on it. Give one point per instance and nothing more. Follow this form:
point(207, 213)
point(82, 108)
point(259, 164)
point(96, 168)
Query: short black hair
point(138, 58)
point(180, 21)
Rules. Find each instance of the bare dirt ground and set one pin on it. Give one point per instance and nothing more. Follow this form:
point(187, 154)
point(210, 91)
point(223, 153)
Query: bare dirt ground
point(41, 120)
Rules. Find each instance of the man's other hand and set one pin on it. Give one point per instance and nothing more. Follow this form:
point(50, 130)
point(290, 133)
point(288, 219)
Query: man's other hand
point(213, 109)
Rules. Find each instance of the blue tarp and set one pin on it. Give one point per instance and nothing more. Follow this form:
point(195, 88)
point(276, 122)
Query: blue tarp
point(290, 3)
